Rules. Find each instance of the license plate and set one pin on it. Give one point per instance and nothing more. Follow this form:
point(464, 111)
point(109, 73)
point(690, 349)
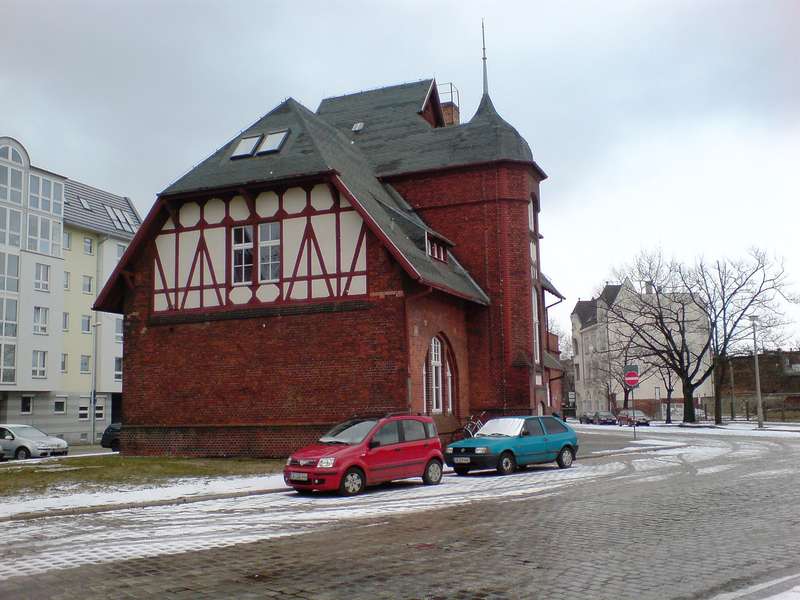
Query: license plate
point(461, 459)
point(298, 476)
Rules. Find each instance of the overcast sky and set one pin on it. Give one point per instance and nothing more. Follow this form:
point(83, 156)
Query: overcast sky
point(659, 123)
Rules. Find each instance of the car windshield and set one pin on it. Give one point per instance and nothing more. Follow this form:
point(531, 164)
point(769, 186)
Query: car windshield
point(637, 413)
point(29, 432)
point(349, 432)
point(606, 415)
point(501, 428)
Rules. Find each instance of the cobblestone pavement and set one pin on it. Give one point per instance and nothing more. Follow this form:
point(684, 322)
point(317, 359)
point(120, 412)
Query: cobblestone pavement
point(715, 516)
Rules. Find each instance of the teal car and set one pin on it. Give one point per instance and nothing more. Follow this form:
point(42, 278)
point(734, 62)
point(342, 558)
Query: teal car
point(506, 443)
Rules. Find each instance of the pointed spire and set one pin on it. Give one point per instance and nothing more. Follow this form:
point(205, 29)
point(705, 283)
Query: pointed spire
point(485, 75)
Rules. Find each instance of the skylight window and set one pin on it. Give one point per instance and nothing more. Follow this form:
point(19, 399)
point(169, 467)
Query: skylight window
point(246, 146)
point(83, 202)
point(122, 220)
point(358, 126)
point(273, 141)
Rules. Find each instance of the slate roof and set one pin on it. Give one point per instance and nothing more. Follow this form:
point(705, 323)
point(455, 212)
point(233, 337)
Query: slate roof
point(548, 285)
point(586, 311)
point(610, 293)
point(551, 361)
point(96, 218)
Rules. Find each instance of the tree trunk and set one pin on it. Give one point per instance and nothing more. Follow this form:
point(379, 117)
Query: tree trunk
point(719, 376)
point(688, 403)
point(669, 405)
point(626, 390)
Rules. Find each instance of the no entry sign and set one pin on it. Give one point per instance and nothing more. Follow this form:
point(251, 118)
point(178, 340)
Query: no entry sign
point(631, 375)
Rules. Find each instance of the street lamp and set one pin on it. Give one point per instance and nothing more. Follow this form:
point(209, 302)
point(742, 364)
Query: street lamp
point(754, 320)
point(93, 410)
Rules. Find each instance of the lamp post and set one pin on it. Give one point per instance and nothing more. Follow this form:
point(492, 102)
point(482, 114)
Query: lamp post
point(93, 403)
point(759, 408)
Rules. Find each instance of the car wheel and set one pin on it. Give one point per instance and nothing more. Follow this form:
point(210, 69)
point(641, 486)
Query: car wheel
point(22, 453)
point(115, 446)
point(506, 464)
point(461, 470)
point(565, 458)
point(433, 473)
point(352, 482)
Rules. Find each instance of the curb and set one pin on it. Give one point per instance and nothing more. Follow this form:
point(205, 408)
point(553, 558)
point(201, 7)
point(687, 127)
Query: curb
point(86, 510)
point(638, 451)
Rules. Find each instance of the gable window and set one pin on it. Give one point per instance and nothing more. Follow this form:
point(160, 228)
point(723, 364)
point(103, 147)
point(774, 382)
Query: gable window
point(9, 272)
point(246, 147)
point(436, 249)
point(8, 362)
point(242, 254)
point(87, 284)
point(8, 317)
point(436, 375)
point(41, 279)
point(88, 246)
point(269, 251)
point(10, 226)
point(39, 370)
point(40, 315)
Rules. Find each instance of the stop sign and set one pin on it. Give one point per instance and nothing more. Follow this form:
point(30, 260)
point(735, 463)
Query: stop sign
point(631, 375)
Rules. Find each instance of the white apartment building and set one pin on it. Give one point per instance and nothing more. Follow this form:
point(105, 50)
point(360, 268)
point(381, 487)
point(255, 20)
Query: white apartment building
point(595, 387)
point(59, 242)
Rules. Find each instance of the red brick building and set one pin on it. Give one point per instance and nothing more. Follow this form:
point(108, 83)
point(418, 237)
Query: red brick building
point(374, 255)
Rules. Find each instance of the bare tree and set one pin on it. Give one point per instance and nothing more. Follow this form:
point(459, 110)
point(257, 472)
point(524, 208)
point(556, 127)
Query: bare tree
point(621, 352)
point(691, 313)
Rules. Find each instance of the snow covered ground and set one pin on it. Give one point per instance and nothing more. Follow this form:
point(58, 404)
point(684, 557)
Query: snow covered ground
point(742, 429)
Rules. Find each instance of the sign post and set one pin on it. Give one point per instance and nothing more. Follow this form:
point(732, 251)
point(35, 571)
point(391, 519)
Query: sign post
point(630, 375)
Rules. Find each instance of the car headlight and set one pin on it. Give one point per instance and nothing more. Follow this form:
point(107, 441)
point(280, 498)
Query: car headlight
point(481, 450)
point(288, 461)
point(448, 450)
point(326, 463)
point(41, 446)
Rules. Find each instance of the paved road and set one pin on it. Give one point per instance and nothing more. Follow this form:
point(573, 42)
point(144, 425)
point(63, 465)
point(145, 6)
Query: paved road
point(716, 515)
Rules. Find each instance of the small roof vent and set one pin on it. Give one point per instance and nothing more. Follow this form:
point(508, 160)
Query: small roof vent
point(358, 126)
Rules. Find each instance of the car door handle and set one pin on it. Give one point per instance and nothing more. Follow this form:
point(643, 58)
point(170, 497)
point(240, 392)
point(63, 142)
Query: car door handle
point(398, 449)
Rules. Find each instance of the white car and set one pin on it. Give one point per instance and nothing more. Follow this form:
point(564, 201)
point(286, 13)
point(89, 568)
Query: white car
point(25, 441)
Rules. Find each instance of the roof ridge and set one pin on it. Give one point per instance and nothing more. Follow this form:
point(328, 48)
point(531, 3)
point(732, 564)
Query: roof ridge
point(378, 89)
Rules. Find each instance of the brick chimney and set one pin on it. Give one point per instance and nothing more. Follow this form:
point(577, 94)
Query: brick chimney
point(449, 98)
point(451, 114)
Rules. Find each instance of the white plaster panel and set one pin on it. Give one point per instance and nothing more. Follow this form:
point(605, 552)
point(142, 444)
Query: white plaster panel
point(192, 299)
point(325, 230)
point(187, 248)
point(238, 209)
point(165, 246)
point(361, 261)
point(268, 292)
point(210, 297)
point(190, 214)
point(214, 211)
point(161, 302)
point(293, 230)
point(267, 204)
point(349, 229)
point(319, 289)
point(299, 290)
point(294, 200)
point(215, 242)
point(321, 198)
point(240, 295)
point(358, 286)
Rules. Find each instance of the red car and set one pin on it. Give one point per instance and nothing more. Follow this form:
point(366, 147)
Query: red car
point(366, 451)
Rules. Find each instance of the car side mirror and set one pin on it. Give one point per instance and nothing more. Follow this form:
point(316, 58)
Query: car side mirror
point(524, 433)
point(9, 437)
point(374, 443)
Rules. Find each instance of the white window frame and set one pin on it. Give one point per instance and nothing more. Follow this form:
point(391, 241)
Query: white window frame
point(67, 280)
point(10, 234)
point(436, 375)
point(39, 364)
point(67, 241)
point(51, 201)
point(83, 409)
point(99, 408)
point(265, 245)
point(90, 280)
point(8, 282)
point(41, 277)
point(91, 246)
point(44, 244)
point(8, 192)
point(118, 368)
point(535, 309)
point(41, 315)
point(88, 358)
point(119, 330)
point(58, 399)
point(5, 369)
point(64, 362)
point(241, 247)
point(30, 405)
point(84, 320)
point(8, 317)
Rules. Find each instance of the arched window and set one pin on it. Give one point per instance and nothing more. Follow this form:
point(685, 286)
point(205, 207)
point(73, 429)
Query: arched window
point(9, 153)
point(436, 375)
point(10, 177)
point(439, 379)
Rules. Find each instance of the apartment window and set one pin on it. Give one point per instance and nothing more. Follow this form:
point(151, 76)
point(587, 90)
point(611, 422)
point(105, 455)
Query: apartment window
point(99, 408)
point(46, 195)
point(574, 347)
point(66, 280)
point(85, 363)
point(26, 405)
point(242, 255)
point(86, 324)
point(9, 272)
point(118, 368)
point(87, 284)
point(41, 278)
point(10, 226)
point(121, 250)
point(8, 317)
point(83, 409)
point(269, 251)
point(577, 372)
point(8, 364)
point(11, 184)
point(40, 318)
point(67, 240)
point(118, 330)
point(60, 405)
point(65, 321)
point(44, 235)
point(88, 245)
point(64, 363)
point(39, 369)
